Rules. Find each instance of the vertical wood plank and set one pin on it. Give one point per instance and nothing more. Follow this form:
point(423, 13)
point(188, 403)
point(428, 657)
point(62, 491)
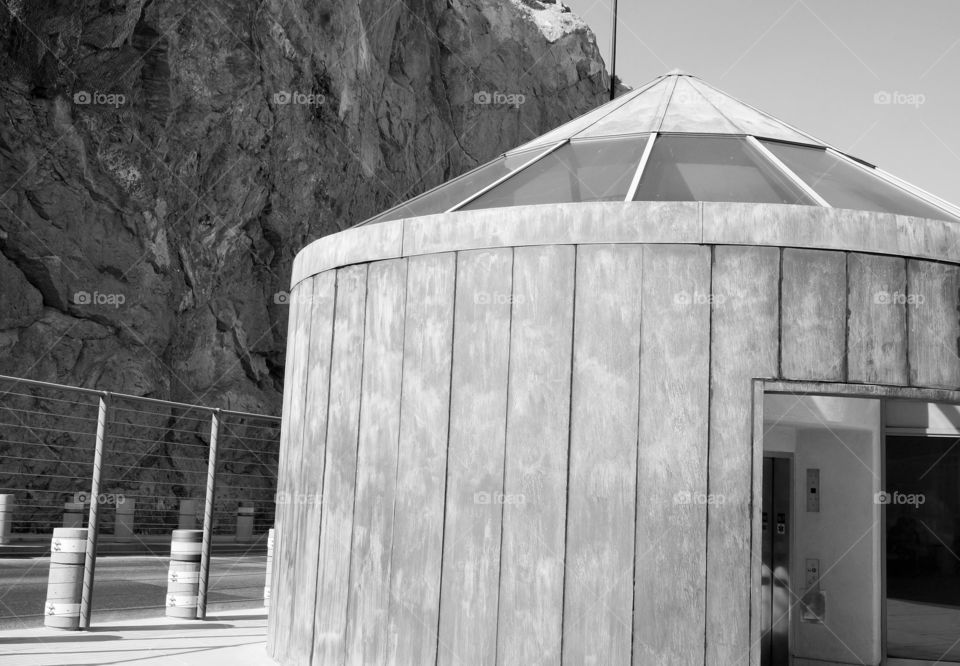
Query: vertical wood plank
point(598, 598)
point(422, 462)
point(934, 326)
point(295, 322)
point(744, 345)
point(369, 600)
point(877, 329)
point(336, 526)
point(535, 484)
point(672, 456)
point(813, 315)
point(478, 413)
point(285, 553)
point(305, 499)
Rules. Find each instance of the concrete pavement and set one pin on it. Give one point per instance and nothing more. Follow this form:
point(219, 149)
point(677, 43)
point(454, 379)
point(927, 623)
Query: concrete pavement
point(237, 638)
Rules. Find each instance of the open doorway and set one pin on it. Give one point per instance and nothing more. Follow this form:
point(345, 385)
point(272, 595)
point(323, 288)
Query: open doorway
point(869, 559)
point(833, 610)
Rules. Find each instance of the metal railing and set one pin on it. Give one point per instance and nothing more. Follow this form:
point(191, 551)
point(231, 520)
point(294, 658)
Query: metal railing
point(134, 468)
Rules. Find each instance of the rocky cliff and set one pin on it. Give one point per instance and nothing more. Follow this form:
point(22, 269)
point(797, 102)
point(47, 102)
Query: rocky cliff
point(161, 162)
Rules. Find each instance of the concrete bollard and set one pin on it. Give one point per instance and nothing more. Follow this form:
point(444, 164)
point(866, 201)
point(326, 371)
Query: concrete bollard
point(188, 514)
point(183, 578)
point(269, 577)
point(6, 517)
point(123, 525)
point(73, 514)
point(244, 524)
point(65, 582)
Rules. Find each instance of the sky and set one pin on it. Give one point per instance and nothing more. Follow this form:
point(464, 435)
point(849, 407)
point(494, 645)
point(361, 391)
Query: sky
point(877, 79)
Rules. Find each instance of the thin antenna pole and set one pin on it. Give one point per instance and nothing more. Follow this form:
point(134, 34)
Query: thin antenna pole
point(613, 54)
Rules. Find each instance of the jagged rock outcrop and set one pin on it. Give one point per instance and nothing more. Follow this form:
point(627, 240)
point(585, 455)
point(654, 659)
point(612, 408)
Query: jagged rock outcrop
point(161, 162)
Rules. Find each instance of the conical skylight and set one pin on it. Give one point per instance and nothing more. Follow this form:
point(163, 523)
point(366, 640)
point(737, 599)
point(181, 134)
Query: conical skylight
point(676, 139)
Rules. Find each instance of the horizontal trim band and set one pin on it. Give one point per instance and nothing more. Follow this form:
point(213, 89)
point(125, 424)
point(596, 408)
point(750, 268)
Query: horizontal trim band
point(647, 222)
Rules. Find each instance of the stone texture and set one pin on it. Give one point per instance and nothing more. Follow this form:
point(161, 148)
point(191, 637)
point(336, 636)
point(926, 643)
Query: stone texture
point(162, 162)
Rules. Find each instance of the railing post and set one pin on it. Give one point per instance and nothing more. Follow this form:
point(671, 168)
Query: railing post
point(93, 522)
point(208, 516)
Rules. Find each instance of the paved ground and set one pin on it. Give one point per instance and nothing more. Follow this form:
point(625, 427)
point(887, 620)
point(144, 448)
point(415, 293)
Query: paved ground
point(126, 587)
point(236, 638)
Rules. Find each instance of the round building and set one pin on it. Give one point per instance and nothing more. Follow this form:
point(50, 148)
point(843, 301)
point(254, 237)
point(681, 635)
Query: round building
point(658, 387)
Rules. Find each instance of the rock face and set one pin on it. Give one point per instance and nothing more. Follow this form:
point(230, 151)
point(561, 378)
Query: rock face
point(161, 162)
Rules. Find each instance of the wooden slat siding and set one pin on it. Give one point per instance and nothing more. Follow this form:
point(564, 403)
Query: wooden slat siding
point(598, 594)
point(422, 462)
point(933, 322)
point(368, 604)
point(283, 479)
point(813, 314)
point(744, 344)
point(333, 575)
point(285, 559)
point(877, 329)
point(672, 456)
point(305, 498)
point(538, 414)
point(478, 412)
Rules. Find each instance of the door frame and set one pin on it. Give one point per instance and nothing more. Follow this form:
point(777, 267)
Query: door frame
point(763, 386)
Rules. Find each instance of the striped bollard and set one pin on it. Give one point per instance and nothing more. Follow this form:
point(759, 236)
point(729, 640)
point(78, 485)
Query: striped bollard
point(65, 582)
point(183, 578)
point(269, 577)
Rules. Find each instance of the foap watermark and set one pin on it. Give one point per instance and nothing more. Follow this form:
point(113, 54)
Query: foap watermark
point(84, 497)
point(897, 298)
point(97, 98)
point(697, 298)
point(900, 499)
point(295, 97)
point(484, 497)
point(497, 98)
point(96, 298)
point(497, 298)
point(697, 497)
point(897, 98)
point(300, 296)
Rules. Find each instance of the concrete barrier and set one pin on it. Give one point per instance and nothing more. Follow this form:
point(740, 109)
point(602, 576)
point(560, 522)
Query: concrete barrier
point(123, 525)
point(183, 578)
point(73, 514)
point(188, 514)
point(6, 517)
point(65, 582)
point(244, 523)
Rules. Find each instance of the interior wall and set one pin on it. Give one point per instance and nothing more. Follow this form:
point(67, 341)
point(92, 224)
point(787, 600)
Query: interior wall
point(841, 438)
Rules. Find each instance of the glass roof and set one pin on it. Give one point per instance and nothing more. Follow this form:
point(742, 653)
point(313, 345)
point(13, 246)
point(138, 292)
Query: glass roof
point(714, 168)
point(675, 139)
